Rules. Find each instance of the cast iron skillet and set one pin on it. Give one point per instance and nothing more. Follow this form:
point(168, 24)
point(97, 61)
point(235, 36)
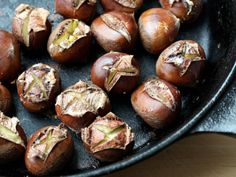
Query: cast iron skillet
point(215, 31)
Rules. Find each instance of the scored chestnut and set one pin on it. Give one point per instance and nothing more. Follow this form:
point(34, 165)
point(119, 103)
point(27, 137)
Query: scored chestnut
point(9, 57)
point(83, 10)
point(38, 87)
point(70, 42)
point(128, 6)
point(185, 10)
point(158, 28)
point(5, 99)
point(157, 102)
point(116, 72)
point(49, 150)
point(115, 31)
point(12, 139)
point(78, 105)
point(182, 63)
point(108, 138)
point(31, 26)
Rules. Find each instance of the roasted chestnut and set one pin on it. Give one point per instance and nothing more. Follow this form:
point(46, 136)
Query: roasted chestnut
point(157, 102)
point(182, 63)
point(38, 87)
point(78, 105)
point(49, 150)
point(128, 6)
point(31, 26)
point(70, 42)
point(158, 29)
point(9, 57)
point(108, 138)
point(115, 31)
point(12, 139)
point(185, 10)
point(116, 72)
point(83, 10)
point(5, 99)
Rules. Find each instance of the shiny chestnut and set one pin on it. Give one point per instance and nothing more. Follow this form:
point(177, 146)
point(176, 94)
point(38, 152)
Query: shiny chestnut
point(115, 31)
point(158, 28)
point(108, 138)
point(5, 99)
point(182, 63)
point(157, 102)
point(116, 72)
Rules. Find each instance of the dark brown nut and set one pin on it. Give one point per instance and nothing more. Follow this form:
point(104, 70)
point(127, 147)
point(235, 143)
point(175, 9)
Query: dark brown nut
point(70, 42)
point(115, 72)
point(5, 99)
point(185, 10)
point(128, 6)
point(115, 31)
point(108, 138)
point(182, 63)
point(9, 57)
point(157, 102)
point(83, 10)
point(49, 150)
point(38, 87)
point(158, 29)
point(31, 26)
point(78, 105)
point(12, 139)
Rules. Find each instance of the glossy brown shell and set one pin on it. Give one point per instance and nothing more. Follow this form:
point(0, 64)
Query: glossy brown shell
point(5, 99)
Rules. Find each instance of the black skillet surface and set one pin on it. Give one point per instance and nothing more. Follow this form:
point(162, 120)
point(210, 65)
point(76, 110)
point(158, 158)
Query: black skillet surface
point(215, 31)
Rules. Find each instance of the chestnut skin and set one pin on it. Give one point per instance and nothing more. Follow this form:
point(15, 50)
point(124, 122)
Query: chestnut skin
point(114, 5)
point(171, 73)
point(84, 13)
point(112, 40)
point(125, 84)
point(58, 158)
point(5, 99)
point(158, 28)
point(9, 57)
point(185, 14)
point(154, 112)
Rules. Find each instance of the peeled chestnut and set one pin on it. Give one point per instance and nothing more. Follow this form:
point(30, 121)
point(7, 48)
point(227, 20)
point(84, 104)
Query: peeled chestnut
point(157, 102)
point(128, 6)
point(108, 138)
point(185, 10)
point(158, 29)
point(9, 57)
point(115, 31)
point(5, 99)
point(116, 72)
point(31, 26)
point(182, 63)
point(12, 140)
point(78, 105)
point(38, 87)
point(70, 42)
point(83, 10)
point(49, 150)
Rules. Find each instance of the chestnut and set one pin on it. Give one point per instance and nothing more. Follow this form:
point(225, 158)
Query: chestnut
point(9, 57)
point(49, 150)
point(185, 10)
point(157, 102)
point(78, 105)
point(128, 6)
point(158, 29)
point(5, 99)
point(12, 140)
point(38, 87)
point(116, 72)
point(182, 63)
point(108, 138)
point(83, 10)
point(115, 31)
point(70, 42)
point(31, 26)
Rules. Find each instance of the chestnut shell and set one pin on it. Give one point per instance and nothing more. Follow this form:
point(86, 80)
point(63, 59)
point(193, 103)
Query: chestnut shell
point(5, 99)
